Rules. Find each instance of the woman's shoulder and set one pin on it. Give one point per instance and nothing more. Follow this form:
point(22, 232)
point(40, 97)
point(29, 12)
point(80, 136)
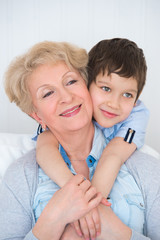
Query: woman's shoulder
point(142, 161)
point(22, 173)
point(145, 169)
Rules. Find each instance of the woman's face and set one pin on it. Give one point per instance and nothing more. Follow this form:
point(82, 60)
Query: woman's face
point(60, 97)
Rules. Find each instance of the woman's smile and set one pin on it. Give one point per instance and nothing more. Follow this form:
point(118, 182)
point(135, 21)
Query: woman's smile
point(72, 111)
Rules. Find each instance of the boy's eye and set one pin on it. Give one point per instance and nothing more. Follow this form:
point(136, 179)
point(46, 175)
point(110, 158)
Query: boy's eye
point(71, 82)
point(127, 95)
point(106, 89)
point(48, 94)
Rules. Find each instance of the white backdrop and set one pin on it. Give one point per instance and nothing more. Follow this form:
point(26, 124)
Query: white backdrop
point(83, 22)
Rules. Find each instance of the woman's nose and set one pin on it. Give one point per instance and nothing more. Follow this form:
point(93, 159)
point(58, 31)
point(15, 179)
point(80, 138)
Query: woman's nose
point(65, 96)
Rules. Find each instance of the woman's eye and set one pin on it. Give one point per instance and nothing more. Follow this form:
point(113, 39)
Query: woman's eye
point(71, 82)
point(106, 89)
point(127, 95)
point(48, 94)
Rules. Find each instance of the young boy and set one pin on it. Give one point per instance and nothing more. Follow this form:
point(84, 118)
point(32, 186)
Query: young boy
point(116, 77)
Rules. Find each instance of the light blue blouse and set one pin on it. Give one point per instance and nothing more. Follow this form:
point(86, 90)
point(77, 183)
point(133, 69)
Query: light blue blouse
point(126, 198)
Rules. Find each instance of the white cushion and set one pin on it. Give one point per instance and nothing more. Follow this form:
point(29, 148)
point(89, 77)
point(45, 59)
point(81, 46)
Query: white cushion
point(149, 150)
point(13, 146)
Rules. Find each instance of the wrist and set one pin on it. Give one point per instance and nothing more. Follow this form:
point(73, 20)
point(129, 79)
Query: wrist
point(45, 230)
point(111, 226)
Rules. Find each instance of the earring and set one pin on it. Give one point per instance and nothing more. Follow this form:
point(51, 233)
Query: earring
point(43, 127)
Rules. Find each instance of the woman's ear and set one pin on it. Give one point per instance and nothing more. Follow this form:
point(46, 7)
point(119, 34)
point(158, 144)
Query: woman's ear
point(38, 119)
point(35, 116)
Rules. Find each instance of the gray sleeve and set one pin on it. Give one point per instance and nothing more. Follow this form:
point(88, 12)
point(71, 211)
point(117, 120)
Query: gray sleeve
point(146, 171)
point(16, 194)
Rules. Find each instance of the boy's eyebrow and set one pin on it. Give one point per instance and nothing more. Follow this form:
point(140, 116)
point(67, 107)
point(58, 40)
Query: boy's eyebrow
point(103, 82)
point(100, 81)
point(132, 90)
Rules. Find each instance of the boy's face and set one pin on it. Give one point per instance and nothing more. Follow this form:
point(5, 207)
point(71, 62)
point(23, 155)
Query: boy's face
point(113, 98)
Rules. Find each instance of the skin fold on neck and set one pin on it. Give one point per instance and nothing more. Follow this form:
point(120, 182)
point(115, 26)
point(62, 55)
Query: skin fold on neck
point(78, 145)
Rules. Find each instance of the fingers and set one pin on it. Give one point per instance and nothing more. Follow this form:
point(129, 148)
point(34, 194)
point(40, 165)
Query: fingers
point(86, 186)
point(105, 202)
point(84, 228)
point(77, 179)
point(90, 193)
point(94, 202)
point(82, 182)
point(91, 226)
point(77, 228)
point(92, 197)
point(97, 222)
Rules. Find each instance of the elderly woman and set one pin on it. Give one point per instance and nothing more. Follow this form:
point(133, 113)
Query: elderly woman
point(49, 84)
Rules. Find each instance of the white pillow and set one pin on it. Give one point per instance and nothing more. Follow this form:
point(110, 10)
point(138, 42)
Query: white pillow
point(13, 146)
point(149, 150)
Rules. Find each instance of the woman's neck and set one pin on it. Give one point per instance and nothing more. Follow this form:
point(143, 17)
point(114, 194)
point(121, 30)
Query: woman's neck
point(77, 144)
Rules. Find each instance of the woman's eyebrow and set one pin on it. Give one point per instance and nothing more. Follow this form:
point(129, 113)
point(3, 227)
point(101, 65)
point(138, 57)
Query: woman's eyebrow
point(66, 73)
point(47, 85)
point(42, 86)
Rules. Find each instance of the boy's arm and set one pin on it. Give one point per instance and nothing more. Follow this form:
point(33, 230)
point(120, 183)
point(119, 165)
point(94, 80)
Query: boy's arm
point(50, 159)
point(113, 156)
point(118, 151)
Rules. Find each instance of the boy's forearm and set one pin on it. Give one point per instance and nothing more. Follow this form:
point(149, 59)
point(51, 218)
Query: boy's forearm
point(113, 156)
point(105, 174)
point(53, 164)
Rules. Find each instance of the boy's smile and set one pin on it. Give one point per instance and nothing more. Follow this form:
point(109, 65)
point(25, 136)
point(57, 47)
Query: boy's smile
point(113, 98)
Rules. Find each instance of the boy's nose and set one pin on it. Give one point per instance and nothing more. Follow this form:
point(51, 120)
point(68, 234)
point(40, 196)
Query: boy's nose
point(113, 102)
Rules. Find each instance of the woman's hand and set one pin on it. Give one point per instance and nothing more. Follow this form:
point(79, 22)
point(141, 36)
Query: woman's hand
point(90, 225)
point(84, 198)
point(67, 205)
point(70, 234)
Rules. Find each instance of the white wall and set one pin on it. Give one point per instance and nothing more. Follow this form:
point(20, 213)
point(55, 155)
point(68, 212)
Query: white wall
point(83, 22)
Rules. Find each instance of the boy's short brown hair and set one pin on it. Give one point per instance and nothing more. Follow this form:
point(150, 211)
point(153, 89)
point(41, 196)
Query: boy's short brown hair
point(120, 56)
